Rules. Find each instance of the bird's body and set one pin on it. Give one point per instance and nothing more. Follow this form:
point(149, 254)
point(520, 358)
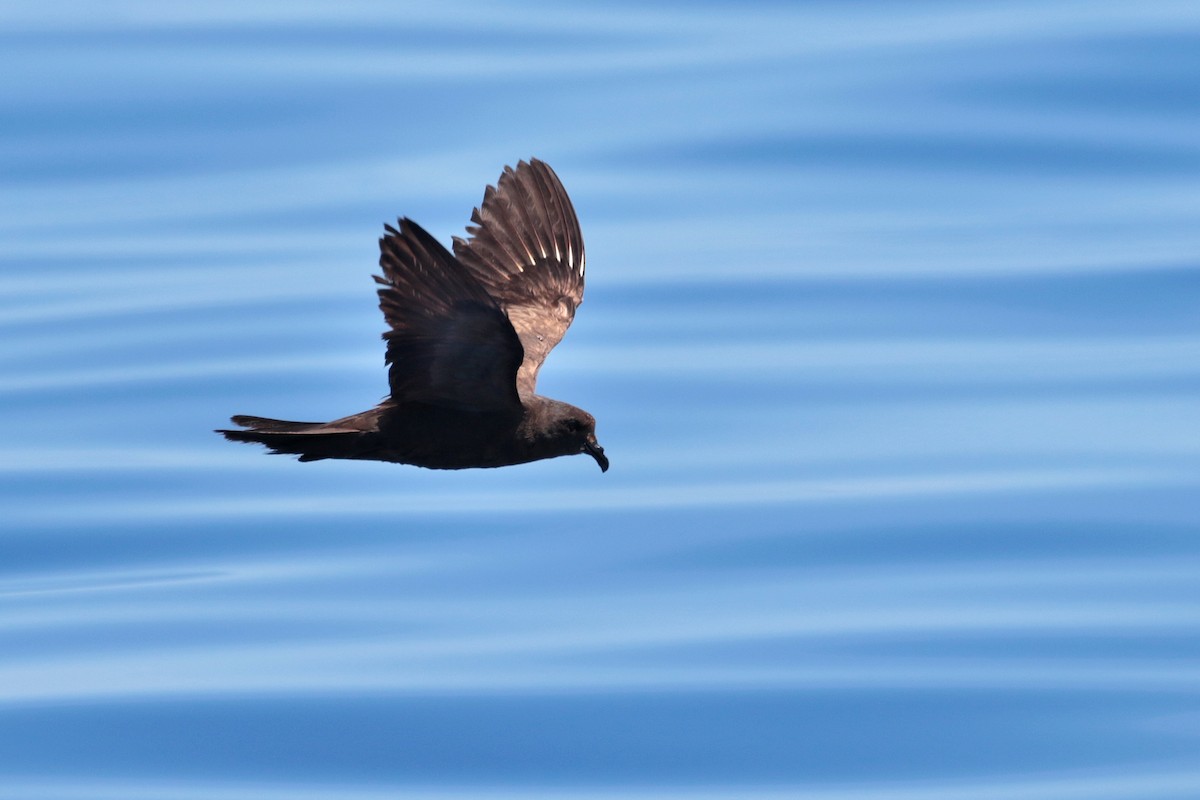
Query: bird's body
point(468, 333)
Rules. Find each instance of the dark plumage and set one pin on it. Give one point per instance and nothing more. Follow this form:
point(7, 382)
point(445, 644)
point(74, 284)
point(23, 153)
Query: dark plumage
point(468, 332)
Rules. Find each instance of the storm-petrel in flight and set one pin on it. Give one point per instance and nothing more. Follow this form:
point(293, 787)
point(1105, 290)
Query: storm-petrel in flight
point(469, 330)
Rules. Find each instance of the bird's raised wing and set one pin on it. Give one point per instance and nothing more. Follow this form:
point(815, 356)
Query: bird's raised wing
point(450, 343)
point(526, 248)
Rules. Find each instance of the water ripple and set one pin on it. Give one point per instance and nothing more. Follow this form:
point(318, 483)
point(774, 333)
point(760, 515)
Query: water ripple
point(890, 333)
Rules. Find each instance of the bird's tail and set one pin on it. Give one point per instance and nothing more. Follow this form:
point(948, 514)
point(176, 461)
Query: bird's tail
point(312, 441)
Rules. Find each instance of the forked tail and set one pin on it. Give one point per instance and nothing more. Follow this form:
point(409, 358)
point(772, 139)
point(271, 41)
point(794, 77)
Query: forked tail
point(312, 441)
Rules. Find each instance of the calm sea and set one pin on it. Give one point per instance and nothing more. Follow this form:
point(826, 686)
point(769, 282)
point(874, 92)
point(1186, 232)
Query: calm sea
point(892, 333)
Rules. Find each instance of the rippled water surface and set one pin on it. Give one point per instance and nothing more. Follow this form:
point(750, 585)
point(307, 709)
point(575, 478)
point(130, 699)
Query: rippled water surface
point(891, 332)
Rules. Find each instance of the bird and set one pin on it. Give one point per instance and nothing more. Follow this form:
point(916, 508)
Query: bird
point(468, 331)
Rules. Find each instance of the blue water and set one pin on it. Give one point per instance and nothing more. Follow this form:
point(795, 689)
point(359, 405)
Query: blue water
point(891, 332)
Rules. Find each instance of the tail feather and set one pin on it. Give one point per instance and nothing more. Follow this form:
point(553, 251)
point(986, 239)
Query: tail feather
point(274, 425)
point(312, 441)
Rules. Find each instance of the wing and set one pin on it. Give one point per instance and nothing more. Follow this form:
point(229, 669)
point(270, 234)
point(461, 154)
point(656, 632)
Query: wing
point(526, 248)
point(450, 343)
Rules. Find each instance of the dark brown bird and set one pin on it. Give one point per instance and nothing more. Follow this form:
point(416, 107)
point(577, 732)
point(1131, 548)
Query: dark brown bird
point(469, 331)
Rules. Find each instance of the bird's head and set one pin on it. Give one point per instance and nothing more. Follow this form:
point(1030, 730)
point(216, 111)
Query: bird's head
point(572, 430)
